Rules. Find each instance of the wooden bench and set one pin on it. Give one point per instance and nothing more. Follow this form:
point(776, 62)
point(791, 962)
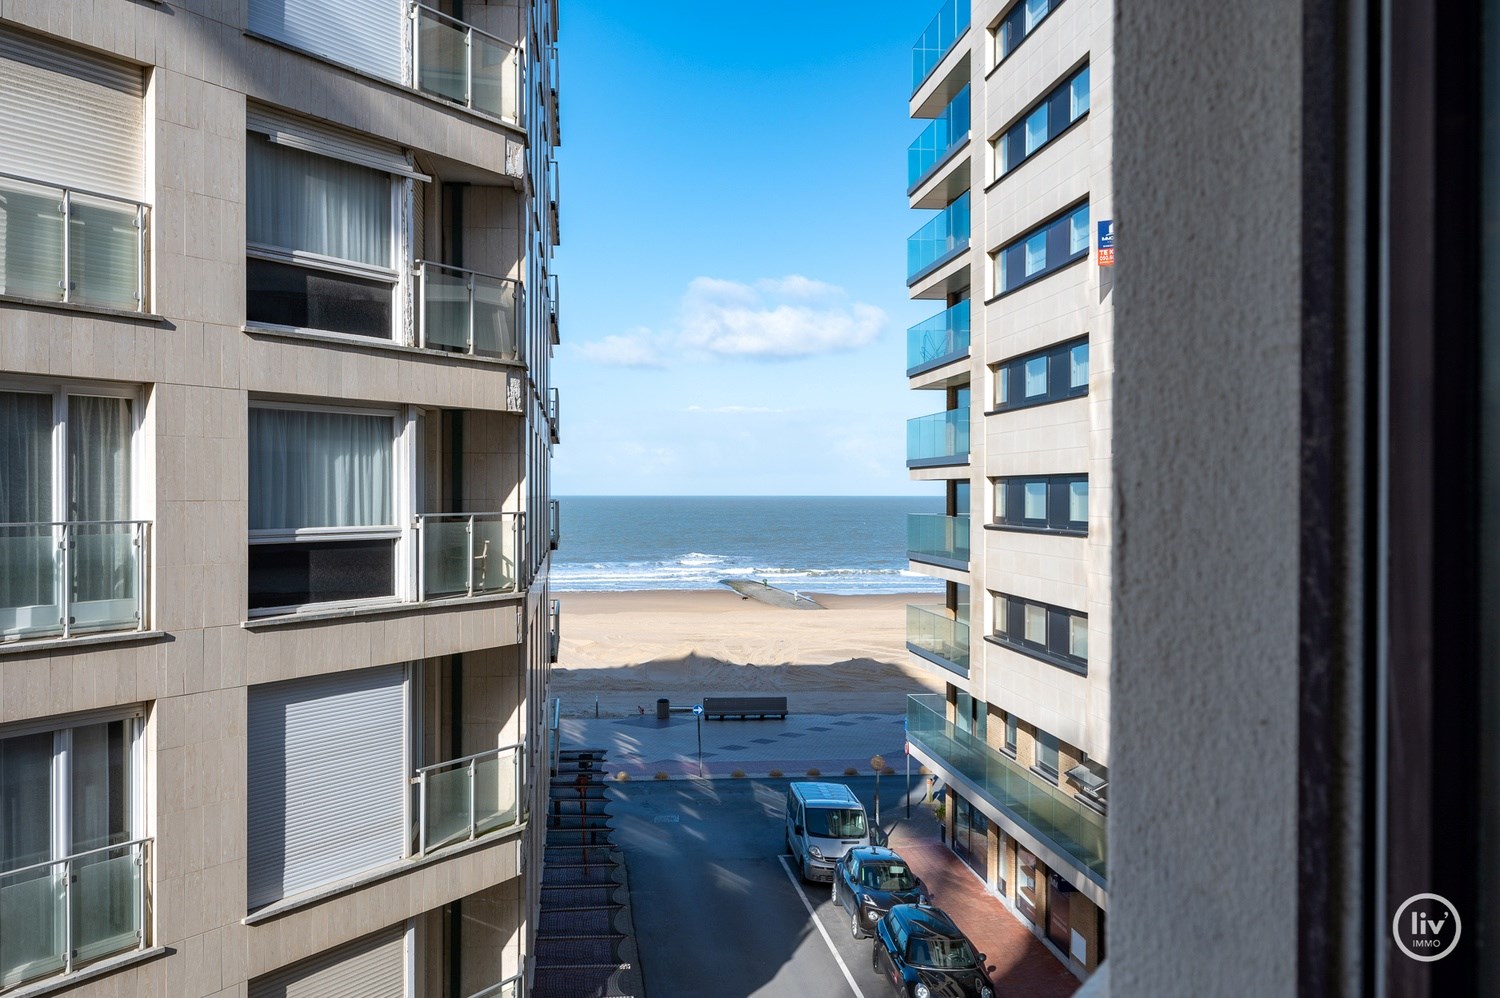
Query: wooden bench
point(743, 707)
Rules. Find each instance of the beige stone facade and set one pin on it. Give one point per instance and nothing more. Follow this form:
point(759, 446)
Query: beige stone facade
point(456, 610)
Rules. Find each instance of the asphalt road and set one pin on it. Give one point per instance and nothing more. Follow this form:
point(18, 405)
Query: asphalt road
point(716, 911)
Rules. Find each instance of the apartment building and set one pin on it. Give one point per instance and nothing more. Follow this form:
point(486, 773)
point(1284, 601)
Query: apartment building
point(1013, 164)
point(276, 313)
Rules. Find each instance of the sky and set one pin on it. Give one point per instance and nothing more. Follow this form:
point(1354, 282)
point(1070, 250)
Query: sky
point(733, 300)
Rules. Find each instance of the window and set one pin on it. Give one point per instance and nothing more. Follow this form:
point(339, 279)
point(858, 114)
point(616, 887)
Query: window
point(1046, 753)
point(323, 526)
point(366, 34)
point(1052, 115)
point(1018, 23)
point(71, 809)
point(1053, 634)
point(1054, 503)
point(1050, 246)
point(1010, 734)
point(1052, 375)
point(71, 558)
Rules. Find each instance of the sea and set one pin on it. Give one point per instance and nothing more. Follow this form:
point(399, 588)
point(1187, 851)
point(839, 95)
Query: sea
point(828, 544)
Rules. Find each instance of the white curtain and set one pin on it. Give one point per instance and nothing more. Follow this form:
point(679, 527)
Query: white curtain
point(103, 562)
point(301, 201)
point(320, 469)
point(27, 568)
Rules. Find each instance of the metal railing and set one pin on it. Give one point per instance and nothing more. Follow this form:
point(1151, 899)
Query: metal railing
point(468, 554)
point(459, 62)
point(70, 577)
point(552, 306)
point(462, 799)
point(468, 312)
point(554, 413)
point(1074, 829)
point(947, 27)
point(511, 987)
point(939, 339)
point(554, 516)
point(554, 638)
point(941, 438)
point(933, 633)
point(941, 136)
point(937, 538)
point(60, 914)
point(66, 245)
point(941, 238)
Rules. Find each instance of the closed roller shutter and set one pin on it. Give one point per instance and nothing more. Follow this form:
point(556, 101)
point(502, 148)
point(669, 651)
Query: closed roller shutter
point(373, 967)
point(367, 35)
point(327, 779)
point(70, 118)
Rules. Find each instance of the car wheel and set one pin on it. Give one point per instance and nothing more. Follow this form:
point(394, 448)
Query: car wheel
point(854, 923)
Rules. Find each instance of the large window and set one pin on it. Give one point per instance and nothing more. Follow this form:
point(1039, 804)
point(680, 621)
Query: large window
point(323, 525)
point(71, 557)
point(1051, 375)
point(71, 858)
point(1051, 633)
point(1017, 24)
point(1052, 503)
point(1042, 122)
point(1048, 247)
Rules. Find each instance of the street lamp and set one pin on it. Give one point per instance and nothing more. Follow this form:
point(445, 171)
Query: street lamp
point(877, 763)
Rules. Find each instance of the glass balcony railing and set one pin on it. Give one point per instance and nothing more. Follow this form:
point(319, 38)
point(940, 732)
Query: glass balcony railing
point(941, 136)
point(62, 245)
point(462, 799)
point(951, 22)
point(459, 62)
point(554, 631)
point(942, 237)
point(554, 515)
point(938, 340)
point(465, 311)
point(941, 438)
point(933, 633)
point(552, 306)
point(66, 578)
point(554, 413)
point(59, 915)
point(943, 540)
point(467, 554)
point(509, 988)
point(1073, 829)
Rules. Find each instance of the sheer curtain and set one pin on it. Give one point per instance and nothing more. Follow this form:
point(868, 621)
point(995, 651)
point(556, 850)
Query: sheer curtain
point(27, 569)
point(298, 200)
point(320, 469)
point(103, 561)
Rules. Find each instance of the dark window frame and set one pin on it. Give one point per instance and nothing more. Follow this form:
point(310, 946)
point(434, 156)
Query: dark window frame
point(1016, 129)
point(1013, 635)
point(1058, 501)
point(1056, 229)
point(1017, 11)
point(1058, 360)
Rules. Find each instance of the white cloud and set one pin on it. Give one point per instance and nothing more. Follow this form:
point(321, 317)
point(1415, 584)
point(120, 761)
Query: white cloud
point(773, 319)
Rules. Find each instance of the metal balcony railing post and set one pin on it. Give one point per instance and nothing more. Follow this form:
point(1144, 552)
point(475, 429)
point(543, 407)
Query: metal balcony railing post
point(67, 915)
point(65, 581)
point(473, 805)
point(473, 308)
point(67, 214)
point(469, 67)
point(470, 542)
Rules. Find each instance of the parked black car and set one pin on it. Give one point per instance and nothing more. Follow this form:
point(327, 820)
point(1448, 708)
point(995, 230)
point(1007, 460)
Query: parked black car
point(922, 953)
point(868, 881)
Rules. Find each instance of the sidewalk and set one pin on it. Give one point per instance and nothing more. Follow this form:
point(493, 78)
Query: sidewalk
point(643, 746)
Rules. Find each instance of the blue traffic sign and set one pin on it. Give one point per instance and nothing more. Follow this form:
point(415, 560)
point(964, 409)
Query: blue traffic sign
point(698, 709)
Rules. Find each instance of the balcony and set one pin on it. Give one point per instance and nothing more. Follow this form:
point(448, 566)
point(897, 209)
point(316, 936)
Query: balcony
point(940, 240)
point(939, 439)
point(552, 306)
point(57, 916)
point(947, 27)
point(72, 247)
point(458, 62)
point(463, 555)
point(510, 988)
point(938, 540)
point(554, 412)
point(554, 634)
point(554, 517)
point(463, 799)
point(464, 311)
point(1074, 830)
point(939, 340)
point(934, 634)
point(938, 140)
point(63, 579)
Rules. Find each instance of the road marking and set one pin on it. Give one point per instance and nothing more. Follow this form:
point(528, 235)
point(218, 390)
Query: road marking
point(827, 940)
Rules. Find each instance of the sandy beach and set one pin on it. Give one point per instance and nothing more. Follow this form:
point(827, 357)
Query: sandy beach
point(629, 648)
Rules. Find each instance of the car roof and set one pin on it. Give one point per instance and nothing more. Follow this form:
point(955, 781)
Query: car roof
point(924, 919)
point(824, 793)
point(875, 854)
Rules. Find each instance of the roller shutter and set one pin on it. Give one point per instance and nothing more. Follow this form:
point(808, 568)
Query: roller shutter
point(71, 118)
point(327, 779)
point(367, 35)
point(373, 967)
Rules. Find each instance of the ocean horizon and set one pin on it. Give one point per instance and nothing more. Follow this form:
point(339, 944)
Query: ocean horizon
point(845, 545)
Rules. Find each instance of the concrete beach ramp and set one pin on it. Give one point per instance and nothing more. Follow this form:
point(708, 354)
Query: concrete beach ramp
point(766, 593)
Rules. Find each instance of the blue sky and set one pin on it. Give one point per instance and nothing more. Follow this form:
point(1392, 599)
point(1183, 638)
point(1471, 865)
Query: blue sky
point(733, 250)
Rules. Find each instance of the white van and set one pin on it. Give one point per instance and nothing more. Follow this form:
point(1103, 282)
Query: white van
point(823, 821)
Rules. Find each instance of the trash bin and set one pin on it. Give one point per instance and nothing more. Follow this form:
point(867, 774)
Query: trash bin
point(663, 708)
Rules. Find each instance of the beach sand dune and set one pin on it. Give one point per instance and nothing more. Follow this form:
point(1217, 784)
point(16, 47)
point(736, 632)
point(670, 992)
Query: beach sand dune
point(629, 648)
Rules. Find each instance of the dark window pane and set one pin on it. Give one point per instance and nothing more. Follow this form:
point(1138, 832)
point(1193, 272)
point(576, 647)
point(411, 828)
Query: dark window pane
point(320, 572)
point(287, 295)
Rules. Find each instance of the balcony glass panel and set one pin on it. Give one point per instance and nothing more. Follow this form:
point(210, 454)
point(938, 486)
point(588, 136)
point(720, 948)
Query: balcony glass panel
point(940, 137)
point(933, 630)
point(104, 253)
point(60, 245)
point(496, 803)
point(934, 537)
point(943, 337)
point(442, 56)
point(468, 797)
point(468, 312)
point(458, 62)
point(495, 77)
point(1076, 830)
point(942, 437)
point(447, 809)
point(103, 565)
point(106, 903)
point(467, 554)
point(951, 21)
point(946, 233)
